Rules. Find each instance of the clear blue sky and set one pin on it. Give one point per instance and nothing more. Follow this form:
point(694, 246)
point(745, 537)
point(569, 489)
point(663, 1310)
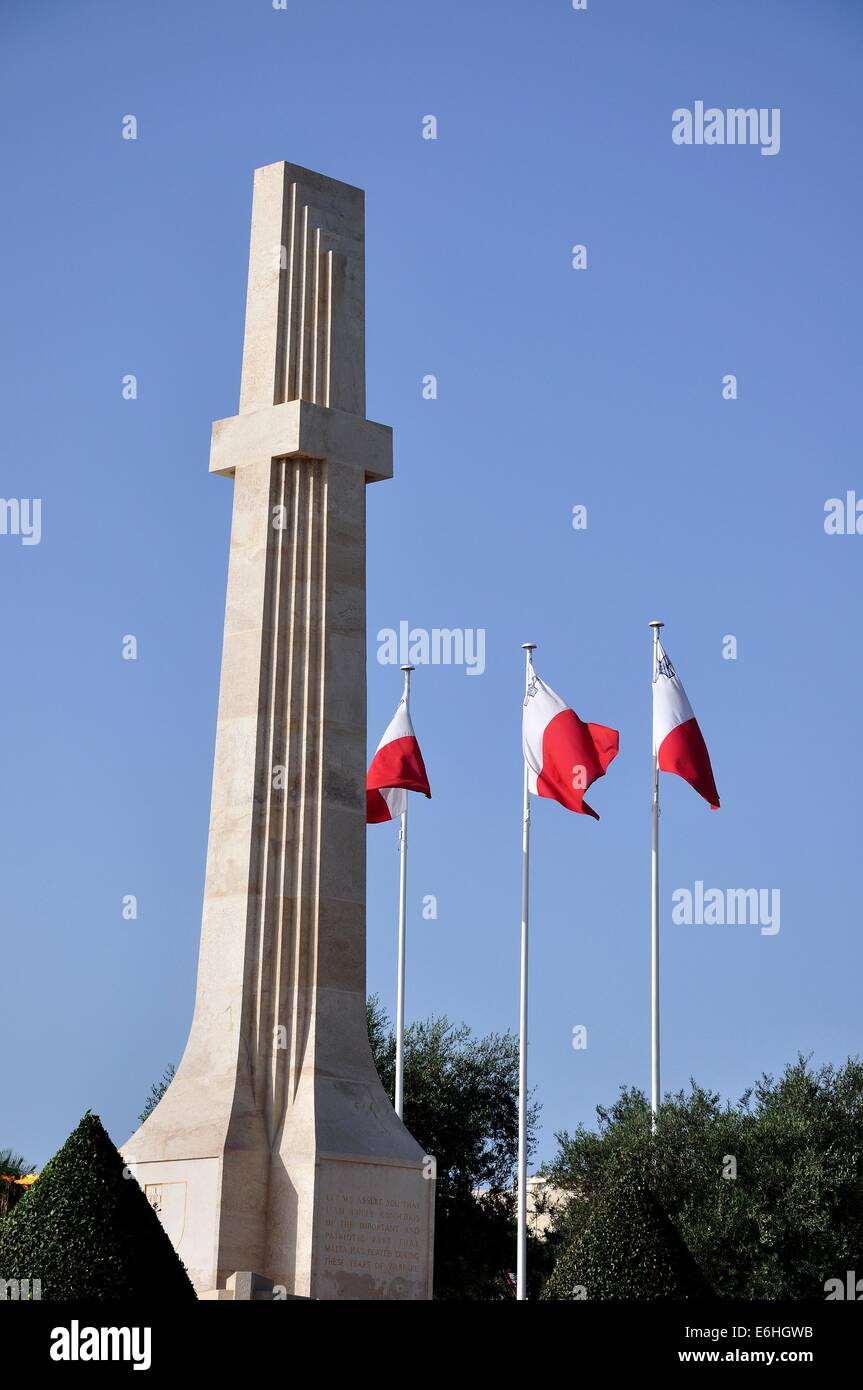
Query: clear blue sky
point(556, 387)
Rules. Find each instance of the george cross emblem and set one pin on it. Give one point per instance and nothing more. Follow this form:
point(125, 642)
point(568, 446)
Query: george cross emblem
point(532, 689)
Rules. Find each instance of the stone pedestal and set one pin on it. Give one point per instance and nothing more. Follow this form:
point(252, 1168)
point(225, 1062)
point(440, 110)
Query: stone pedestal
point(275, 1148)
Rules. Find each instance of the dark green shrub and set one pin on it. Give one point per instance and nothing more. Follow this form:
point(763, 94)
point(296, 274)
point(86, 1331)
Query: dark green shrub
point(85, 1230)
point(628, 1249)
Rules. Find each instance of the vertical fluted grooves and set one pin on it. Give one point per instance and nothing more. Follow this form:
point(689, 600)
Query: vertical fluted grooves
point(285, 869)
point(305, 309)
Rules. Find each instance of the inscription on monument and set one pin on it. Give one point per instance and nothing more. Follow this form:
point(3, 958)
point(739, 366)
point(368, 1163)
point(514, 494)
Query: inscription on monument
point(368, 1234)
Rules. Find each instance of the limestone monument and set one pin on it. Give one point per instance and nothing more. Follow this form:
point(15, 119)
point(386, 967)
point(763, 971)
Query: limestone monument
point(275, 1151)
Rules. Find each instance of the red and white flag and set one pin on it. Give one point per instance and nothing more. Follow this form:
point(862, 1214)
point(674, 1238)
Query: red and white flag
point(677, 739)
point(563, 754)
point(396, 769)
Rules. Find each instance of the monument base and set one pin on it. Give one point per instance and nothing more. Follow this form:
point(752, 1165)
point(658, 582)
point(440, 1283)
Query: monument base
point(370, 1227)
point(373, 1230)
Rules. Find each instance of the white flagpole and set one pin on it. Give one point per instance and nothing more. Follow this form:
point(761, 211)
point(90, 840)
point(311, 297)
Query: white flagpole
point(521, 1266)
point(403, 898)
point(654, 916)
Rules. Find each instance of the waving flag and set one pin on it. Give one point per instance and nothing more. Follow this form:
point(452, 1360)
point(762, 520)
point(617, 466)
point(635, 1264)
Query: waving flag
point(396, 769)
point(563, 754)
point(677, 739)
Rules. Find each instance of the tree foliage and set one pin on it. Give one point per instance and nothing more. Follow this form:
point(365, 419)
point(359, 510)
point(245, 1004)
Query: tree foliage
point(86, 1230)
point(157, 1090)
point(13, 1164)
point(790, 1219)
point(626, 1249)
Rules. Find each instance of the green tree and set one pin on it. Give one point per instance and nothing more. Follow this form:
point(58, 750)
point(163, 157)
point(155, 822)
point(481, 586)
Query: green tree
point(86, 1230)
point(461, 1105)
point(767, 1192)
point(157, 1090)
point(626, 1249)
point(14, 1165)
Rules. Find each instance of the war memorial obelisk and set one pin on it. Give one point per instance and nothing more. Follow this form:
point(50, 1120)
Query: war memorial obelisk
point(275, 1149)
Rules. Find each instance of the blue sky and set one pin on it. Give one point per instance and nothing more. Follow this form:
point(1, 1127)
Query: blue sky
point(557, 387)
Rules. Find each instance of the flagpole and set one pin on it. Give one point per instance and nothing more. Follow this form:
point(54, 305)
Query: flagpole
point(654, 917)
point(403, 898)
point(521, 1266)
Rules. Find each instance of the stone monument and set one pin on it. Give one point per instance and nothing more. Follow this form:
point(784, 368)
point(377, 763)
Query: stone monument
point(275, 1150)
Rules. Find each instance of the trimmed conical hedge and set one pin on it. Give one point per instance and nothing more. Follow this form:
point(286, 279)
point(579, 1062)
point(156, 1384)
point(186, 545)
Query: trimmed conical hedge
point(629, 1248)
point(87, 1231)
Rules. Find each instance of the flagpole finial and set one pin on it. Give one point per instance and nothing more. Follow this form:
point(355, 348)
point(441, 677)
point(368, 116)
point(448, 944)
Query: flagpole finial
point(407, 668)
point(528, 646)
point(656, 623)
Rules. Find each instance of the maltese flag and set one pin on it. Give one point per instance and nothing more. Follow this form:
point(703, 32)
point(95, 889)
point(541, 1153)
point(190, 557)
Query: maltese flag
point(677, 739)
point(563, 754)
point(396, 769)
